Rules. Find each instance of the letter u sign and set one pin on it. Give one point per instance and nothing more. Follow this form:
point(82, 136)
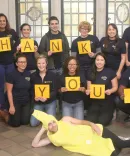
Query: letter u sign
point(97, 91)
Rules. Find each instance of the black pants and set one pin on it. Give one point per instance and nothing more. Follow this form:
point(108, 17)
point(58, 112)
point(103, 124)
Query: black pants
point(123, 107)
point(117, 142)
point(101, 111)
point(21, 116)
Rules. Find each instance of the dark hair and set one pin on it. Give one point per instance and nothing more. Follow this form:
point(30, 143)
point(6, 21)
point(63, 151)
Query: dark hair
point(94, 68)
point(24, 24)
point(52, 18)
point(106, 41)
point(65, 67)
point(7, 27)
point(19, 55)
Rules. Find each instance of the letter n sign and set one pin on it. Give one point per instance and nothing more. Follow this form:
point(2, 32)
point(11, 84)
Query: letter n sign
point(84, 47)
point(5, 44)
point(56, 45)
point(97, 91)
point(72, 83)
point(27, 45)
point(42, 91)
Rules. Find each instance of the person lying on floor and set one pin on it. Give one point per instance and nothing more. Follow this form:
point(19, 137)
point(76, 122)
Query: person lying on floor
point(78, 136)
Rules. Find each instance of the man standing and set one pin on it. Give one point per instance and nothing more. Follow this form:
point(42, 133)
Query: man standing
point(54, 44)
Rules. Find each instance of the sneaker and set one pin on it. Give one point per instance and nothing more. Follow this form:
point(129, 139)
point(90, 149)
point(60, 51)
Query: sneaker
point(127, 119)
point(124, 138)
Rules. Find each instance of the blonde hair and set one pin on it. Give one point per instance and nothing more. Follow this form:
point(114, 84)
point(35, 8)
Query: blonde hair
point(85, 24)
point(41, 56)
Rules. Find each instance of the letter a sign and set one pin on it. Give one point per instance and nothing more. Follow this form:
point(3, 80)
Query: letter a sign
point(97, 91)
point(72, 83)
point(84, 47)
point(27, 45)
point(42, 91)
point(5, 44)
point(127, 96)
point(56, 45)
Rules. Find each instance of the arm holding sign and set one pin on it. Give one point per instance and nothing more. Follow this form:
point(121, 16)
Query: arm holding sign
point(114, 87)
point(88, 87)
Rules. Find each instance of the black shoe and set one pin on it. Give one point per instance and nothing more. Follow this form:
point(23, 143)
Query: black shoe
point(127, 119)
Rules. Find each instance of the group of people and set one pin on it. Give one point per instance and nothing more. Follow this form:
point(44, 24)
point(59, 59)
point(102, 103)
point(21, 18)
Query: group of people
point(107, 63)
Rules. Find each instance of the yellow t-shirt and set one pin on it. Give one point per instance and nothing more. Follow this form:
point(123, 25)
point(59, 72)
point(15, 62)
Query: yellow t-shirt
point(81, 139)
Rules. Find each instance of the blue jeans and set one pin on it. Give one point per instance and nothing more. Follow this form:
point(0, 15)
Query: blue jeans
point(48, 108)
point(75, 110)
point(4, 70)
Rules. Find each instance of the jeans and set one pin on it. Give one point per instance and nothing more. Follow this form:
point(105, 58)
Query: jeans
point(48, 108)
point(75, 110)
point(4, 70)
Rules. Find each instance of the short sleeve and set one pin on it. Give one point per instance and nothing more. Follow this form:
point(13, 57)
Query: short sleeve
point(126, 35)
point(10, 78)
point(112, 74)
point(74, 46)
point(123, 47)
point(125, 78)
point(97, 42)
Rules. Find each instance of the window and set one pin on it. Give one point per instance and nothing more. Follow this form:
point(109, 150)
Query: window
point(75, 11)
point(35, 13)
point(118, 13)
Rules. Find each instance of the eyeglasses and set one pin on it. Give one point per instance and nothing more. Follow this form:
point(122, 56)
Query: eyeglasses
point(72, 64)
point(22, 62)
point(84, 29)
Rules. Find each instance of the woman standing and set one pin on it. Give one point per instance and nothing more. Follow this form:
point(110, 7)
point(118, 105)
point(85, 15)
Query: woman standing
point(31, 61)
point(85, 60)
point(18, 91)
point(72, 101)
point(114, 49)
point(6, 57)
point(101, 110)
point(40, 77)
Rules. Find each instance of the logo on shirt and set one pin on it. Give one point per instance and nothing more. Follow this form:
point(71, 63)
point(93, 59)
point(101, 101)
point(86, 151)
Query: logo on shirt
point(27, 78)
point(91, 42)
point(114, 47)
point(104, 78)
point(129, 78)
point(47, 81)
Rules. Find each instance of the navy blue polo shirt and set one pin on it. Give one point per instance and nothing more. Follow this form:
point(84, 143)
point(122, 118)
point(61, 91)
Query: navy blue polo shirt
point(113, 52)
point(125, 79)
point(8, 56)
point(21, 86)
point(31, 61)
point(51, 79)
point(73, 96)
point(84, 59)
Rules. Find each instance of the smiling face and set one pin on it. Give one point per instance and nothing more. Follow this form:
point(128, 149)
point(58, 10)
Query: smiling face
point(111, 32)
point(42, 64)
point(52, 126)
point(72, 66)
point(26, 31)
point(2, 22)
point(84, 31)
point(54, 26)
point(21, 64)
point(100, 62)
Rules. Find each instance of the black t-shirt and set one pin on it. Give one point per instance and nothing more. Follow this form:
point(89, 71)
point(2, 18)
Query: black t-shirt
point(125, 79)
point(113, 52)
point(84, 59)
point(57, 57)
point(31, 61)
point(73, 96)
point(104, 77)
point(51, 79)
point(21, 86)
point(7, 57)
point(126, 37)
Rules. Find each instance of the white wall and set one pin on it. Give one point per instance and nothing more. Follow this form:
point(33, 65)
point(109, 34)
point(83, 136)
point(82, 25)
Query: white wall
point(8, 8)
